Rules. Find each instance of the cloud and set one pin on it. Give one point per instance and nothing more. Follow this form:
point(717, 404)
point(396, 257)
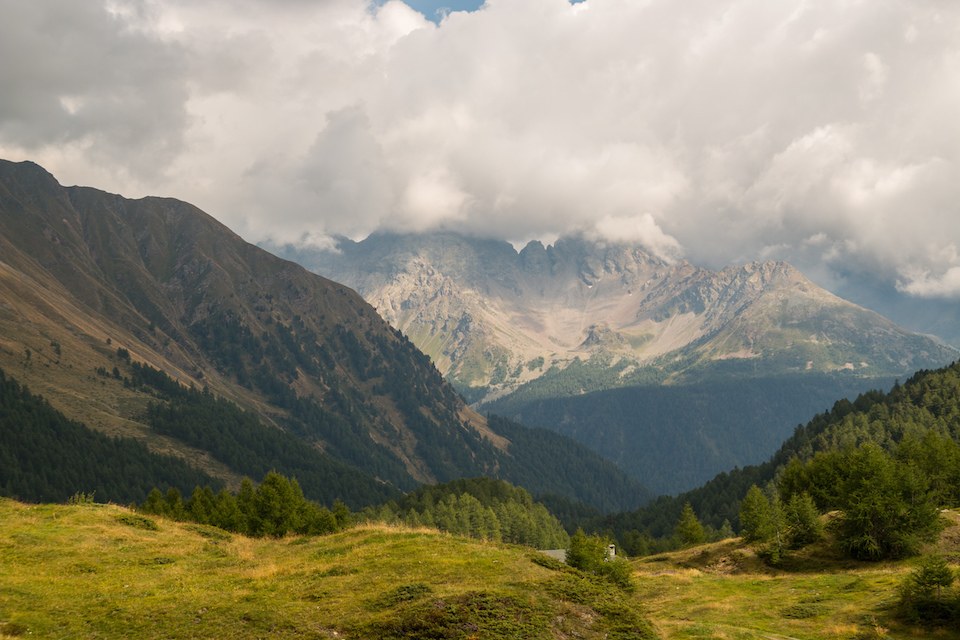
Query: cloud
point(75, 74)
point(642, 230)
point(723, 130)
point(926, 285)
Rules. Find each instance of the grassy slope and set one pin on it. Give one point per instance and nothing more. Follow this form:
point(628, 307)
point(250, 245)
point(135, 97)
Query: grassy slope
point(722, 590)
point(104, 571)
point(97, 571)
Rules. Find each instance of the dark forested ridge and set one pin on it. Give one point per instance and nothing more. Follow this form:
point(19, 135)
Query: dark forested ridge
point(916, 423)
point(546, 463)
point(45, 457)
point(701, 427)
point(241, 441)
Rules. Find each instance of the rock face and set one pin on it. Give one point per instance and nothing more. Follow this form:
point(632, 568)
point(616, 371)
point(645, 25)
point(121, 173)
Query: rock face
point(492, 318)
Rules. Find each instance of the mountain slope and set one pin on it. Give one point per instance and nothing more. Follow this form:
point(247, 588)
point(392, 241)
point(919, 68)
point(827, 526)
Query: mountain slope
point(493, 318)
point(673, 371)
point(46, 457)
point(674, 437)
point(927, 404)
point(92, 283)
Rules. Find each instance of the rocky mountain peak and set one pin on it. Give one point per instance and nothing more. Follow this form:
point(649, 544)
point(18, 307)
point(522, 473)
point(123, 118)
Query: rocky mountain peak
point(581, 299)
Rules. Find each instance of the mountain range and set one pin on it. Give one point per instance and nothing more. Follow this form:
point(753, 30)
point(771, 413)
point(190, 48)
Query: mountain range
point(148, 319)
point(494, 318)
point(674, 371)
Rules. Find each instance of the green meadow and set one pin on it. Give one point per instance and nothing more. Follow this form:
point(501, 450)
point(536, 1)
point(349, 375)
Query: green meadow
point(102, 571)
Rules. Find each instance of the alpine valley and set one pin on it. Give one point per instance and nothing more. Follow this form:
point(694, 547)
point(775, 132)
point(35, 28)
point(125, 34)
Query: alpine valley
point(150, 322)
point(673, 371)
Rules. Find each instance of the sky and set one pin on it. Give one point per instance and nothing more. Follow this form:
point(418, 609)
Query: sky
point(822, 132)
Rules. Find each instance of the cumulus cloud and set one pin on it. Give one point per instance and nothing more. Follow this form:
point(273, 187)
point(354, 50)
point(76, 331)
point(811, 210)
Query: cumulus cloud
point(720, 130)
point(922, 283)
point(76, 74)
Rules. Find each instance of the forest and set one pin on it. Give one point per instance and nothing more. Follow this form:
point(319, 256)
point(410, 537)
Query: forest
point(703, 426)
point(45, 457)
point(480, 508)
point(880, 454)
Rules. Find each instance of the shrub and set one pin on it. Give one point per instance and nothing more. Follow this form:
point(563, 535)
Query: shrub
point(927, 596)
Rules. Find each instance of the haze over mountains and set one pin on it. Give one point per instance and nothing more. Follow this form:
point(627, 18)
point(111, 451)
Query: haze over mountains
point(92, 283)
point(642, 358)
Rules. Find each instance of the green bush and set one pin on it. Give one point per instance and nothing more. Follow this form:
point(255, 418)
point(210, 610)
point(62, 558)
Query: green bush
point(137, 522)
point(927, 595)
point(403, 593)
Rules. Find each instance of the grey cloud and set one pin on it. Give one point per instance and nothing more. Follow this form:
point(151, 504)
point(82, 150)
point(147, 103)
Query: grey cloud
point(73, 72)
point(823, 133)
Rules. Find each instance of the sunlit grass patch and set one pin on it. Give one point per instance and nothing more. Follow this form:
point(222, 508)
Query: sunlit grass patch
point(99, 571)
point(824, 597)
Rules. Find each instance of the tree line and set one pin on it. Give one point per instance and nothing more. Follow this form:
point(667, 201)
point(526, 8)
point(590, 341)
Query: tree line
point(481, 508)
point(275, 508)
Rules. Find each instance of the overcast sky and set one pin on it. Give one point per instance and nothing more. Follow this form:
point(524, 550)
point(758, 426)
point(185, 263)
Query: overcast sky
point(824, 132)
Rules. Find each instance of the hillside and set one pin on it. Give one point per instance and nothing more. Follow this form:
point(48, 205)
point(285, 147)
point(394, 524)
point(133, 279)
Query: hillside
point(103, 571)
point(927, 405)
point(723, 590)
point(674, 437)
point(127, 315)
point(44, 457)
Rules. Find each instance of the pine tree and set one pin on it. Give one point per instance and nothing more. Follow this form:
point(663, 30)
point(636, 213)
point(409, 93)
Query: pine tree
point(246, 503)
point(155, 503)
point(803, 521)
point(174, 500)
point(200, 506)
point(226, 512)
point(755, 516)
point(887, 507)
point(926, 595)
point(726, 531)
point(689, 529)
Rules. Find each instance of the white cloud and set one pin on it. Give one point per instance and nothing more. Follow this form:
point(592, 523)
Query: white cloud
point(641, 229)
point(725, 130)
point(924, 284)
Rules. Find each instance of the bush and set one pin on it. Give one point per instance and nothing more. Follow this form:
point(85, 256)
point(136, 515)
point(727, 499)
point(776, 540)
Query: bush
point(927, 596)
point(590, 554)
point(586, 553)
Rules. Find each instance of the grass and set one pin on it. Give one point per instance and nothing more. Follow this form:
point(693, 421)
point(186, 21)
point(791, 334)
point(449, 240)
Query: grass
point(101, 571)
point(723, 591)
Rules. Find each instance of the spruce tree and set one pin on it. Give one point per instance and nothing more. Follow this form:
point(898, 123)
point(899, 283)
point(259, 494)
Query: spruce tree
point(803, 521)
point(755, 516)
point(887, 507)
point(689, 529)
